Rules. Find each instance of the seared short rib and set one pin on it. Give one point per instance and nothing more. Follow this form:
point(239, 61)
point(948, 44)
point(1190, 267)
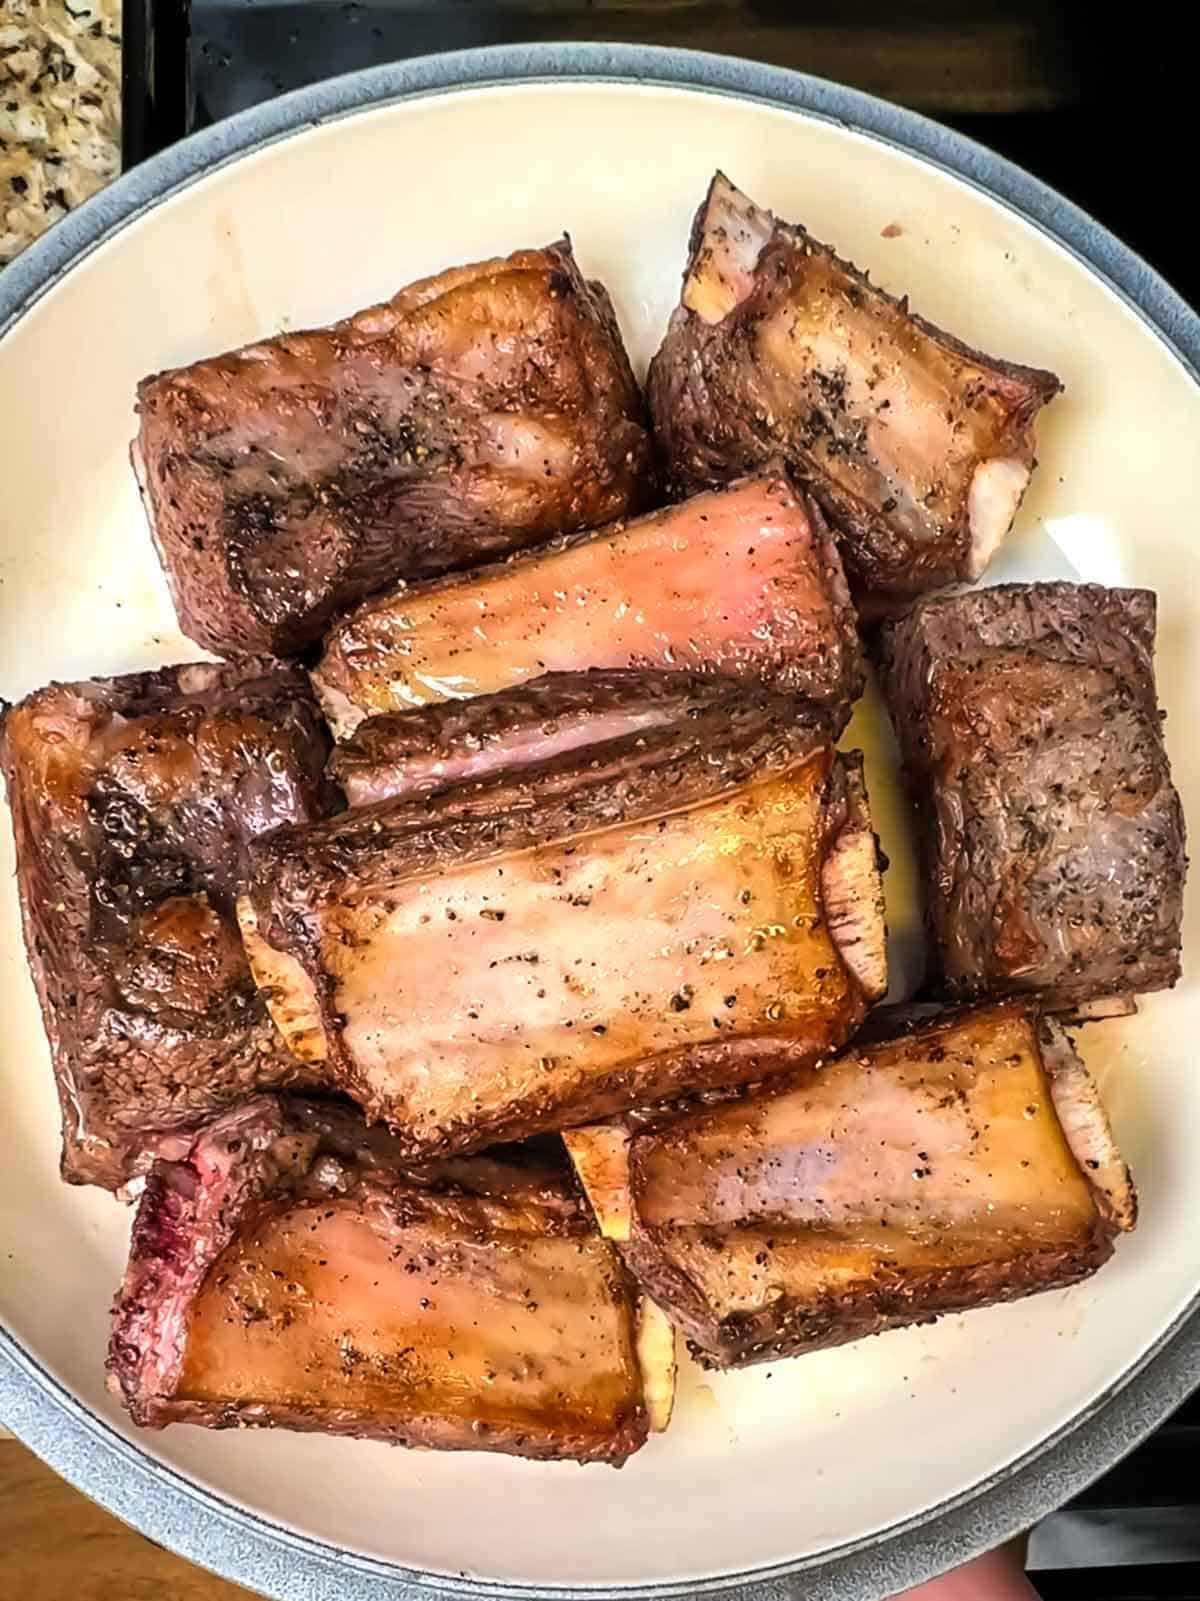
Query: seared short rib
point(959, 1162)
point(290, 1271)
point(553, 945)
point(744, 584)
point(133, 800)
point(1052, 836)
point(918, 447)
point(478, 411)
point(554, 724)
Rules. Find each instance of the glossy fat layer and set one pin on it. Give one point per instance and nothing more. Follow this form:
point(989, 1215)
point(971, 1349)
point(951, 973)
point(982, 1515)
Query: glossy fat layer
point(955, 1147)
point(523, 977)
point(741, 582)
point(414, 1313)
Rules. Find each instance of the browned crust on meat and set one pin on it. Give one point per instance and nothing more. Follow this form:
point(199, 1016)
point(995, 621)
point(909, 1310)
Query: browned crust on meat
point(1050, 688)
point(791, 1328)
point(132, 1085)
point(695, 1070)
point(261, 559)
point(192, 1210)
point(296, 870)
point(295, 867)
point(430, 1432)
point(707, 432)
point(398, 754)
point(894, 1297)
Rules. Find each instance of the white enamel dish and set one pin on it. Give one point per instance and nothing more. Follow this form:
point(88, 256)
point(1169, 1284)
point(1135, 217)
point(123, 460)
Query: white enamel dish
point(846, 1474)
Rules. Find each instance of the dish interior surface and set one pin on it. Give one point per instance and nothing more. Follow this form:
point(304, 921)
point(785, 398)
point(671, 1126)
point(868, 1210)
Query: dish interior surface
point(776, 1463)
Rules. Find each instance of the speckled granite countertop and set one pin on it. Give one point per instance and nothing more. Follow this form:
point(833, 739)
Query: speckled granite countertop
point(60, 110)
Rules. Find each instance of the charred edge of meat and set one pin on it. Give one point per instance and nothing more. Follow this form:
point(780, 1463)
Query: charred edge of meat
point(707, 1069)
point(788, 1329)
point(1086, 623)
point(136, 1066)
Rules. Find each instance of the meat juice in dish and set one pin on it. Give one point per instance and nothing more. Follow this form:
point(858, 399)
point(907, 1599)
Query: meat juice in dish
point(133, 800)
point(603, 872)
point(289, 1270)
point(575, 940)
point(744, 584)
point(1051, 833)
point(475, 412)
point(946, 1166)
point(918, 447)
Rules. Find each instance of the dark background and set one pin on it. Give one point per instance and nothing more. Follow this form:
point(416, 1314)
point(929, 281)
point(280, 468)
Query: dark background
point(1099, 101)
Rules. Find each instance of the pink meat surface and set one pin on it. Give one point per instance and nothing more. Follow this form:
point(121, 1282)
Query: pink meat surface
point(744, 582)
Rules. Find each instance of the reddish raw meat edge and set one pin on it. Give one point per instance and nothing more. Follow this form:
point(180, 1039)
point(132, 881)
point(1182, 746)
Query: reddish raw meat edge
point(291, 1272)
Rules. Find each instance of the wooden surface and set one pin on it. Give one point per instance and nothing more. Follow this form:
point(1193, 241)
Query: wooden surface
point(56, 1545)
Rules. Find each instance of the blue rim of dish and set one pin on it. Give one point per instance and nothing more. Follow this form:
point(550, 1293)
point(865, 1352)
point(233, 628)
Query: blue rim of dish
point(244, 1547)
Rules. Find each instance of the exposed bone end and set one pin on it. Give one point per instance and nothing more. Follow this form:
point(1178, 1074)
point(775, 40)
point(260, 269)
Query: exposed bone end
point(1085, 1125)
point(1097, 1010)
point(600, 1154)
point(340, 712)
point(852, 890)
point(656, 1359)
point(997, 488)
point(286, 987)
point(732, 235)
